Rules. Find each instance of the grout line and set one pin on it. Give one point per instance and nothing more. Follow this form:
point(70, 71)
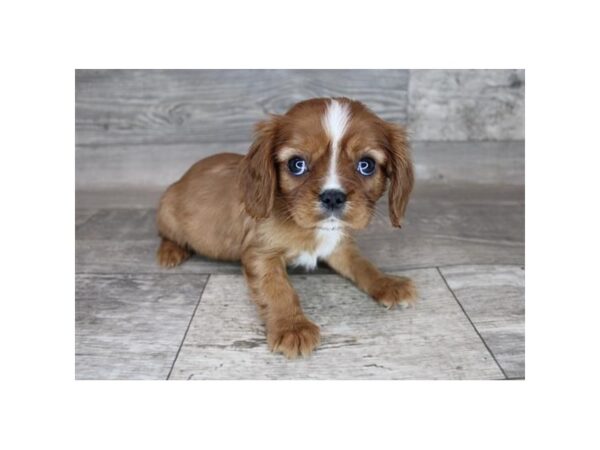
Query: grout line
point(188, 328)
point(472, 324)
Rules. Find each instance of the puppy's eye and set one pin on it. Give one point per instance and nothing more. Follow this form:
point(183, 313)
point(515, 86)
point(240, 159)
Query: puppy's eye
point(366, 166)
point(297, 166)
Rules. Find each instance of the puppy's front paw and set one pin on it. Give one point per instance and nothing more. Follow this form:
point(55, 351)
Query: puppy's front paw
point(293, 338)
point(391, 291)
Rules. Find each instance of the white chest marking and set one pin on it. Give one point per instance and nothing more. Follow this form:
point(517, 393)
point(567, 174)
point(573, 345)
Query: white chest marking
point(327, 241)
point(335, 121)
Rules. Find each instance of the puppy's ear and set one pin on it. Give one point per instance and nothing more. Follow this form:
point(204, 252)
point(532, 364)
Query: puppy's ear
point(258, 178)
point(399, 171)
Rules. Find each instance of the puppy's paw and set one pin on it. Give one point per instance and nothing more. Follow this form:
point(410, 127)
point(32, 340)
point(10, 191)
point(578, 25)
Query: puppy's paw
point(170, 254)
point(391, 291)
point(294, 338)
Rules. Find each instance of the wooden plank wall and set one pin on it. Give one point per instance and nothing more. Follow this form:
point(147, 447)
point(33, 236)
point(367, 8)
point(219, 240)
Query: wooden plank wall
point(142, 128)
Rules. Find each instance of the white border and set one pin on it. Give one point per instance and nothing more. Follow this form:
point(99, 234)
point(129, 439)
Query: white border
point(43, 42)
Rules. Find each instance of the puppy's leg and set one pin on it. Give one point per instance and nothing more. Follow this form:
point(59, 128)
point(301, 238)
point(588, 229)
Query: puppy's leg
point(288, 329)
point(387, 290)
point(171, 254)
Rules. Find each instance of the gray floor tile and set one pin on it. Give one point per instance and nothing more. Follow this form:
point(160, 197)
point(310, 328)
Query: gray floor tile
point(458, 224)
point(359, 339)
point(444, 226)
point(131, 326)
point(119, 225)
point(113, 256)
point(494, 299)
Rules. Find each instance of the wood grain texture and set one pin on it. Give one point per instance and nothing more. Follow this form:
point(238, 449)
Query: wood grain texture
point(491, 162)
point(467, 104)
point(142, 107)
point(143, 128)
point(139, 131)
point(117, 198)
point(140, 128)
point(119, 224)
point(131, 326)
point(494, 299)
point(138, 256)
point(153, 167)
point(82, 215)
point(359, 339)
point(142, 167)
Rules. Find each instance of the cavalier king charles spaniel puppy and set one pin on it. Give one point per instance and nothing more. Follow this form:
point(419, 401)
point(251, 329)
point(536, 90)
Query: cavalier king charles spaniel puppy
point(310, 177)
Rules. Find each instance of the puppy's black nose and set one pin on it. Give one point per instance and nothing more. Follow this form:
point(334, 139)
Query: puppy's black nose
point(332, 199)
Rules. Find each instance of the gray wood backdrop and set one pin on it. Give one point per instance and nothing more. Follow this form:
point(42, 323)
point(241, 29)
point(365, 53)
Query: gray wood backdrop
point(138, 129)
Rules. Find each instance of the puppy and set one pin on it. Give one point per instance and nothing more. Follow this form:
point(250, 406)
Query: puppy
point(310, 177)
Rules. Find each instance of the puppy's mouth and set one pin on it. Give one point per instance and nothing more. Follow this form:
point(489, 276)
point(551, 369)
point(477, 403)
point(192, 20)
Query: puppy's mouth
point(330, 224)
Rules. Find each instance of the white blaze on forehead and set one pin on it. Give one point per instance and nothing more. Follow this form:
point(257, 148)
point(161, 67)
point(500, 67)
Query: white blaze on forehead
point(335, 122)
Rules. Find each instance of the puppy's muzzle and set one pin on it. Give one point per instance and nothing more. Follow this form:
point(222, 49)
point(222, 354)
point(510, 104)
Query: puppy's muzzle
point(332, 200)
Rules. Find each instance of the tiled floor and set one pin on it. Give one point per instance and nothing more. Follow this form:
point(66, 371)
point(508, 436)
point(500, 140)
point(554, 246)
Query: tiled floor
point(462, 244)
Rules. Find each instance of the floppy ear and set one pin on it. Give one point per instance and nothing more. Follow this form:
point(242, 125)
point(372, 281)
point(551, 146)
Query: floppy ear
point(400, 172)
point(258, 177)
